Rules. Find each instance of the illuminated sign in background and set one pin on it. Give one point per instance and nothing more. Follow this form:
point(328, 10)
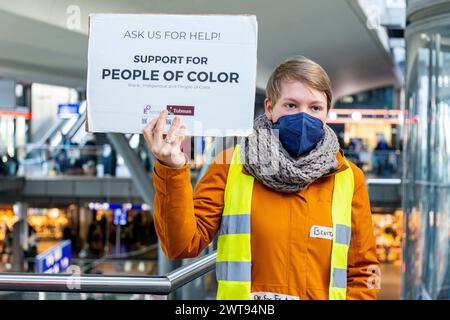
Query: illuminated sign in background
point(56, 259)
point(68, 110)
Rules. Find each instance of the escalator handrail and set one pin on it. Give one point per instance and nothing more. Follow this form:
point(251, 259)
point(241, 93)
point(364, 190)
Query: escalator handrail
point(105, 258)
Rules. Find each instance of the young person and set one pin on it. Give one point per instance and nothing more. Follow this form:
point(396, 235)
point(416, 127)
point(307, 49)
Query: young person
point(300, 231)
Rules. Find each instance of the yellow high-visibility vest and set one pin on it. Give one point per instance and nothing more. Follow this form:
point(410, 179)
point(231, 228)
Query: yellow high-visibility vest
point(233, 262)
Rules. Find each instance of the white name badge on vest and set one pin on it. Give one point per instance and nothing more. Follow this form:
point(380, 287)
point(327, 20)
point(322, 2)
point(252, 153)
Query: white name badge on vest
point(321, 232)
point(271, 296)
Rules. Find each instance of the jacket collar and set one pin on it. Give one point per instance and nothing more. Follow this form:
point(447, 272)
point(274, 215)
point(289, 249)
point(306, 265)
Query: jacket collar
point(341, 163)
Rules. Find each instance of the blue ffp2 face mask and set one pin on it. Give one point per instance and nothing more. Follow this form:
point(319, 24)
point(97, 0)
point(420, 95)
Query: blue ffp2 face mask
point(299, 133)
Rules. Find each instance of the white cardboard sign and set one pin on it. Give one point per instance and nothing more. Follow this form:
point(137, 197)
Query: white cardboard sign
point(200, 67)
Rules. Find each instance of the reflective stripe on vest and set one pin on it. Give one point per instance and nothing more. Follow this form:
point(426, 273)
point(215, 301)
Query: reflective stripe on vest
point(233, 263)
point(341, 212)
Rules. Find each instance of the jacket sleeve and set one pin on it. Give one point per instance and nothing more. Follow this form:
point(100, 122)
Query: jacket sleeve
point(186, 221)
point(363, 266)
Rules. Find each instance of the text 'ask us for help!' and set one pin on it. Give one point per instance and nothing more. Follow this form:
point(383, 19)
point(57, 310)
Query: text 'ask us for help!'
point(172, 35)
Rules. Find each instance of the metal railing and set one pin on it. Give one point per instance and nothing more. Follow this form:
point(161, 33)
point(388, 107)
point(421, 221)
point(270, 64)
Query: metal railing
point(62, 160)
point(34, 160)
point(159, 285)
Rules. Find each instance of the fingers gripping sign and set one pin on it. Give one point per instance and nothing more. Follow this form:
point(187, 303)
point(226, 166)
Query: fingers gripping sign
point(166, 148)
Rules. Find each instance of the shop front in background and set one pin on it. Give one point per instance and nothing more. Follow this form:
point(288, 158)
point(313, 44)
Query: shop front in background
point(119, 228)
point(45, 228)
point(48, 224)
point(388, 236)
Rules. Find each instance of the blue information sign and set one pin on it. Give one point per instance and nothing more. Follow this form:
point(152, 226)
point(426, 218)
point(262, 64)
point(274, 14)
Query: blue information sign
point(68, 110)
point(120, 217)
point(56, 259)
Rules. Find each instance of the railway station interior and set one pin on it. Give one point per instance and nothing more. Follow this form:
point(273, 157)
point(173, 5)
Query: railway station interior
point(72, 201)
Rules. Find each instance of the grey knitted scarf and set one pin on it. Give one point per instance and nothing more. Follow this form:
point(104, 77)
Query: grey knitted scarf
point(264, 157)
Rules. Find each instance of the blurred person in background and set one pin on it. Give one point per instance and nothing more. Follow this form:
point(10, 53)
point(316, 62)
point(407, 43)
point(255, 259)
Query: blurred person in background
point(7, 249)
point(32, 251)
point(89, 155)
point(138, 232)
point(70, 234)
point(96, 239)
point(381, 156)
point(353, 151)
point(62, 158)
point(75, 159)
point(9, 165)
point(381, 142)
point(109, 160)
point(3, 167)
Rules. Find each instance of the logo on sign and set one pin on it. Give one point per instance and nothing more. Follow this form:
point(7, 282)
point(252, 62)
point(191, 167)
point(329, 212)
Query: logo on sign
point(181, 110)
point(147, 109)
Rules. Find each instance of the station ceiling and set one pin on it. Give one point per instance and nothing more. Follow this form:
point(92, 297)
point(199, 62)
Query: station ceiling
point(37, 45)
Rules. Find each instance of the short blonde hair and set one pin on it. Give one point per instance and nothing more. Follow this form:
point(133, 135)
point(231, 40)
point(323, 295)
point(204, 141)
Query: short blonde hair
point(300, 69)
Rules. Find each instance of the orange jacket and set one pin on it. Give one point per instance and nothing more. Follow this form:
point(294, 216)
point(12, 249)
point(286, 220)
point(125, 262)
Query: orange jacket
point(285, 259)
